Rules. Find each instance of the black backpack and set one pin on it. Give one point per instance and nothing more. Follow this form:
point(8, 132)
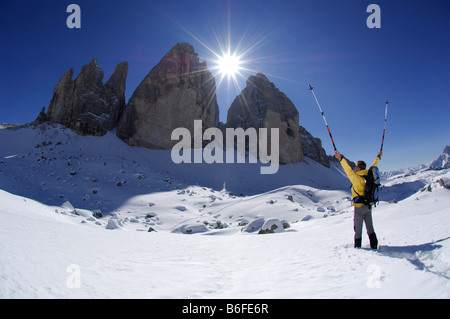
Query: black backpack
point(370, 196)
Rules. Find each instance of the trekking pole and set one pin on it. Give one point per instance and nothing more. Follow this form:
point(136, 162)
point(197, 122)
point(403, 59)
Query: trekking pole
point(328, 128)
point(384, 130)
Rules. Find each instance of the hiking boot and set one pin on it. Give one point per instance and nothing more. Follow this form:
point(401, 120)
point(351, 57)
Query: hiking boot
point(373, 241)
point(358, 242)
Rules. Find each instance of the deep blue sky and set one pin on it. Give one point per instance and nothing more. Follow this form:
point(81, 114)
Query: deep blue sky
point(354, 69)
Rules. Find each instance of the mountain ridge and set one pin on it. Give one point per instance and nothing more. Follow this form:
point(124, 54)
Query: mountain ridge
point(177, 91)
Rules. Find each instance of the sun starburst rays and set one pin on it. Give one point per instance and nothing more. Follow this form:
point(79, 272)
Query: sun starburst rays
point(231, 60)
point(229, 64)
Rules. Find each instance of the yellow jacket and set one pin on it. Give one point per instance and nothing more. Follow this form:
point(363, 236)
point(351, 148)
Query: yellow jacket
point(358, 182)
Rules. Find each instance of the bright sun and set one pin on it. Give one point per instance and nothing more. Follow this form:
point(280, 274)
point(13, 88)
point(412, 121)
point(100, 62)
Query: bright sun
point(229, 65)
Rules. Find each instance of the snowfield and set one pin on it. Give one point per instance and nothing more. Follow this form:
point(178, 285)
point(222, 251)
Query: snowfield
point(90, 217)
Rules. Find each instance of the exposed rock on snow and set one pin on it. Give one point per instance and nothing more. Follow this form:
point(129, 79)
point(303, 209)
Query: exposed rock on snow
point(285, 224)
point(272, 225)
point(191, 229)
point(253, 226)
point(262, 226)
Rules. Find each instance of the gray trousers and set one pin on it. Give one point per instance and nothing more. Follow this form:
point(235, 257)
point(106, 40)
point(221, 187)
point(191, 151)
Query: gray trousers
point(362, 215)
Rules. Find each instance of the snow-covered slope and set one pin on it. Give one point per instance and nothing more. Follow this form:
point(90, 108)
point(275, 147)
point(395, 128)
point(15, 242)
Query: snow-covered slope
point(50, 252)
point(52, 164)
point(55, 243)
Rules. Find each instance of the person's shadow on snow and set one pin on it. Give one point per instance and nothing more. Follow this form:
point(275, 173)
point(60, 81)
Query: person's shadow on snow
point(416, 254)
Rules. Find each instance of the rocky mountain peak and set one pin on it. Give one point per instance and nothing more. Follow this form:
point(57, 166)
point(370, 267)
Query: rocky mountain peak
point(261, 104)
point(443, 161)
point(177, 91)
point(447, 150)
point(86, 105)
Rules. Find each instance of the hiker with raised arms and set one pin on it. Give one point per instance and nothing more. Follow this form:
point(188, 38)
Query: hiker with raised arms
point(363, 208)
point(365, 185)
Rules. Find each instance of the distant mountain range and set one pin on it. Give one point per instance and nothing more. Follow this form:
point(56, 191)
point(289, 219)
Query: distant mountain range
point(442, 162)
